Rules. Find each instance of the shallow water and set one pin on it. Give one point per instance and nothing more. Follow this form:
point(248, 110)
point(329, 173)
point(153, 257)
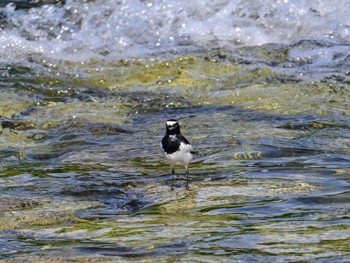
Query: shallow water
point(81, 173)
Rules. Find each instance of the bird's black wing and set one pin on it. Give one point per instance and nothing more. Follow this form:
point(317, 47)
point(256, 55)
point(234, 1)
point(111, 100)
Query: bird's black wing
point(170, 144)
point(182, 139)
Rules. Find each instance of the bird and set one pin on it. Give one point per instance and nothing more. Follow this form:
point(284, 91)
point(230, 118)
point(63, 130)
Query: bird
point(176, 149)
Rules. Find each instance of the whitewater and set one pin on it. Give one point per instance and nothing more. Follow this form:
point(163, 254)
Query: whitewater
point(107, 29)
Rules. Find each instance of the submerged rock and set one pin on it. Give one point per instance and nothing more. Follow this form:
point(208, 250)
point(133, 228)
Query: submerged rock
point(12, 204)
point(19, 214)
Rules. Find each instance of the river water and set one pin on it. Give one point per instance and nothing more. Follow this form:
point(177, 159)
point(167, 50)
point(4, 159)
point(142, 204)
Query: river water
point(261, 90)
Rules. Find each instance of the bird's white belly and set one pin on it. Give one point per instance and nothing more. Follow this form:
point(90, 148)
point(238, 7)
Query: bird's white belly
point(181, 157)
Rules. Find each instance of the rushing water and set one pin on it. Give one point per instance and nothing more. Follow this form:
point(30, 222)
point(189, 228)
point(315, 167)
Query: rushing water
point(261, 91)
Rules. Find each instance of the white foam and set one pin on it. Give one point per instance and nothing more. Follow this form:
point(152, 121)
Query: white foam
point(110, 29)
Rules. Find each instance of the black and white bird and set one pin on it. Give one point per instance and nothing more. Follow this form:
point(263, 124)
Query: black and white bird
point(176, 148)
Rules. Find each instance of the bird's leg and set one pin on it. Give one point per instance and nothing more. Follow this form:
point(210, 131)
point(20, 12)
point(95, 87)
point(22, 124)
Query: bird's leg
point(187, 174)
point(172, 182)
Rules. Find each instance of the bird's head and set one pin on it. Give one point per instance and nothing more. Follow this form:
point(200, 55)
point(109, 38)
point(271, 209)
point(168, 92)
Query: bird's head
point(172, 126)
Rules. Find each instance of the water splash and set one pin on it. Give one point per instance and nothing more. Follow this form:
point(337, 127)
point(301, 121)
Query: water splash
point(78, 31)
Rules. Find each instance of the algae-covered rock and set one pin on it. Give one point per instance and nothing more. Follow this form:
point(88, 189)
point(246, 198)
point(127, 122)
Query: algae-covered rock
point(12, 204)
point(19, 214)
point(67, 259)
point(12, 103)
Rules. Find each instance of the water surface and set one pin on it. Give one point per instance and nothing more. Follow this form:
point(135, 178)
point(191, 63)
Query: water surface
point(81, 173)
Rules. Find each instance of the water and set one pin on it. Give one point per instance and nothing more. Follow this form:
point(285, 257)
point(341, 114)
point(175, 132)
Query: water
point(108, 30)
point(261, 91)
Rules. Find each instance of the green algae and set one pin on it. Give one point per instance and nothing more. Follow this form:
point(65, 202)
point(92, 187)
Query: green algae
point(91, 111)
point(185, 71)
point(196, 79)
point(205, 82)
point(45, 213)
